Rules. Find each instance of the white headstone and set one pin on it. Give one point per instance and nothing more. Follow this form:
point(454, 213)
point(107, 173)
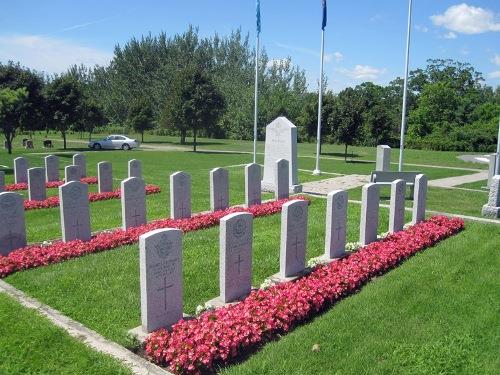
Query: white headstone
point(12, 224)
point(71, 173)
point(252, 185)
point(491, 168)
point(336, 224)
point(133, 198)
point(20, 170)
point(397, 206)
point(160, 258)
point(2, 181)
point(180, 195)
point(36, 184)
point(492, 208)
point(219, 189)
point(236, 234)
point(281, 177)
point(293, 238)
point(74, 209)
point(281, 143)
point(369, 213)
point(80, 162)
point(105, 176)
point(419, 199)
point(134, 168)
point(51, 168)
point(383, 158)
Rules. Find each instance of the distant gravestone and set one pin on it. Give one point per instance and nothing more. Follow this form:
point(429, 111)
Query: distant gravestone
point(492, 208)
point(74, 209)
point(235, 261)
point(36, 184)
point(293, 238)
point(20, 170)
point(383, 158)
point(180, 195)
point(281, 143)
point(491, 168)
point(419, 199)
point(2, 181)
point(160, 257)
point(51, 168)
point(105, 176)
point(12, 223)
point(133, 199)
point(369, 213)
point(336, 224)
point(281, 177)
point(71, 173)
point(253, 193)
point(219, 189)
point(81, 163)
point(397, 206)
point(134, 168)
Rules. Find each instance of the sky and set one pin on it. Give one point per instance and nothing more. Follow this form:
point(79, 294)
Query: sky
point(364, 40)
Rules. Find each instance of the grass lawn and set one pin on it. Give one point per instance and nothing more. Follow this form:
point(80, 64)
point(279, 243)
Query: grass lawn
point(475, 185)
point(32, 345)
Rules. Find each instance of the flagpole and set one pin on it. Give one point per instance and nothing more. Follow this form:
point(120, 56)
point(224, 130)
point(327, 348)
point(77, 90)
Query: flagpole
point(317, 171)
point(405, 90)
point(255, 114)
point(497, 167)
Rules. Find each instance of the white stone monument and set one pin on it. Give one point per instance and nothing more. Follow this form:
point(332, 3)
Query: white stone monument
point(253, 189)
point(134, 168)
point(133, 199)
point(370, 199)
point(36, 184)
point(12, 222)
point(281, 189)
point(419, 199)
point(71, 173)
point(336, 224)
point(397, 206)
point(180, 195)
point(52, 168)
point(20, 170)
point(105, 176)
point(74, 209)
point(492, 208)
point(281, 143)
point(383, 158)
point(219, 189)
point(81, 163)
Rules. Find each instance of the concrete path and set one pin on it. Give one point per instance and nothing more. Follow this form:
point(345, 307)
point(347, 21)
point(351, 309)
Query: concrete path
point(323, 187)
point(459, 180)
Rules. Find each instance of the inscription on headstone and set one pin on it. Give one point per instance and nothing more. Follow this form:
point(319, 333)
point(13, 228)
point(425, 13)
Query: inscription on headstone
point(80, 162)
point(180, 195)
point(134, 168)
point(20, 170)
point(71, 173)
point(383, 158)
point(105, 176)
point(419, 199)
point(12, 222)
point(397, 206)
point(133, 200)
point(160, 258)
point(74, 209)
point(36, 184)
point(219, 189)
point(336, 220)
point(52, 168)
point(293, 238)
point(369, 213)
point(252, 185)
point(281, 178)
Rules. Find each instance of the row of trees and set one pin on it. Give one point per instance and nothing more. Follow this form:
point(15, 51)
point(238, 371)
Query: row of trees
point(186, 85)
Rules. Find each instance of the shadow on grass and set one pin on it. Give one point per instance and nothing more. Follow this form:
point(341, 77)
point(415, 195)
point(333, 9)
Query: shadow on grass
point(185, 144)
point(8, 171)
point(218, 152)
point(340, 154)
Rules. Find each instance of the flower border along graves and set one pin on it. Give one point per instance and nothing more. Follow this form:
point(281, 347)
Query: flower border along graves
point(93, 197)
point(39, 255)
point(217, 337)
point(51, 184)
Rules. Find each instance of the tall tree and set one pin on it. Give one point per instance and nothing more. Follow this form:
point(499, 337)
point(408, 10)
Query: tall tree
point(140, 117)
point(12, 105)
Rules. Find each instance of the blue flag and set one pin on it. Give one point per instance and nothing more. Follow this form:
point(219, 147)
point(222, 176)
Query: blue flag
point(323, 25)
point(258, 16)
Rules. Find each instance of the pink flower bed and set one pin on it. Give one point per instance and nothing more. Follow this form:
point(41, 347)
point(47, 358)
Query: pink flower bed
point(39, 255)
point(217, 337)
point(93, 197)
point(52, 184)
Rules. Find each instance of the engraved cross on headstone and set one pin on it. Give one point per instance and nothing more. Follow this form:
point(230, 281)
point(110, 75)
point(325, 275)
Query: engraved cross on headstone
point(164, 289)
point(11, 237)
point(183, 208)
point(238, 262)
point(221, 199)
point(135, 216)
point(77, 225)
point(338, 230)
point(296, 244)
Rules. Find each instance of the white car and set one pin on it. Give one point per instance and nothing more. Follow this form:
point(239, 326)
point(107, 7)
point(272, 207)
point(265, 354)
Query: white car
point(114, 142)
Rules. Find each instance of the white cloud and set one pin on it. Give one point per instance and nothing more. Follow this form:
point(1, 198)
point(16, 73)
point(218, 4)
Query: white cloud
point(495, 74)
point(48, 54)
point(467, 19)
point(496, 60)
point(450, 35)
point(421, 28)
point(363, 72)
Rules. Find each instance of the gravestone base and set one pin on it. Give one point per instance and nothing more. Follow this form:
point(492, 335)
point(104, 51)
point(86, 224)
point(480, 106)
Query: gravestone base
point(491, 212)
point(141, 335)
point(218, 302)
point(269, 187)
point(277, 278)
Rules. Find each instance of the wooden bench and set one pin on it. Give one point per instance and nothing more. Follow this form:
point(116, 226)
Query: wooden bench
point(386, 178)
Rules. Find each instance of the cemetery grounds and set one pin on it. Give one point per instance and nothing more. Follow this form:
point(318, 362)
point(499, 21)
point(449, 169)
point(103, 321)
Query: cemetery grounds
point(436, 313)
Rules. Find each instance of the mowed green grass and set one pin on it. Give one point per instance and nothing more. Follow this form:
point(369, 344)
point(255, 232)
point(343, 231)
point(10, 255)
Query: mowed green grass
point(30, 344)
point(435, 314)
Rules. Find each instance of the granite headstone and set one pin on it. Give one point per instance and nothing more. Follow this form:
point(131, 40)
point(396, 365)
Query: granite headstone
point(12, 222)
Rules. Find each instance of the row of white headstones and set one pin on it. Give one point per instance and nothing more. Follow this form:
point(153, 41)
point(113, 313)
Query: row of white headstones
point(161, 250)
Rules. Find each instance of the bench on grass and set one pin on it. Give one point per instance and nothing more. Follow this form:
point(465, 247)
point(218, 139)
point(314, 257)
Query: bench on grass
point(386, 178)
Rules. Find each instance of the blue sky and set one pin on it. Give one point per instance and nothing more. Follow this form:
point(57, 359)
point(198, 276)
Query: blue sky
point(365, 39)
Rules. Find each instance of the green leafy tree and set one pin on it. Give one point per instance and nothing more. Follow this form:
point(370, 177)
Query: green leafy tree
point(12, 105)
point(141, 117)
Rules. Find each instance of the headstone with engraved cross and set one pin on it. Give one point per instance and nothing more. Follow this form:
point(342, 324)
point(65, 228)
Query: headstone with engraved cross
point(397, 206)
point(80, 162)
point(133, 198)
point(180, 195)
point(253, 194)
point(219, 189)
point(336, 222)
point(20, 170)
point(419, 199)
point(134, 168)
point(71, 173)
point(160, 259)
point(281, 177)
point(12, 222)
point(36, 184)
point(370, 199)
point(74, 209)
point(105, 176)
point(52, 168)
point(2, 181)
point(293, 238)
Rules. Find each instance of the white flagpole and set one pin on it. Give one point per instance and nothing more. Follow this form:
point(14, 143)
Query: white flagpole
point(317, 171)
point(405, 90)
point(256, 100)
point(497, 167)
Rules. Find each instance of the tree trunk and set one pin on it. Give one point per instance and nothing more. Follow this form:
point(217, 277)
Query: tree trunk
point(64, 139)
point(183, 137)
point(9, 139)
point(142, 137)
point(90, 136)
point(194, 140)
point(345, 153)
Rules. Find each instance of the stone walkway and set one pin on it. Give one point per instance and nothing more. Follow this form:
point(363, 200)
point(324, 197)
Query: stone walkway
point(323, 187)
point(449, 182)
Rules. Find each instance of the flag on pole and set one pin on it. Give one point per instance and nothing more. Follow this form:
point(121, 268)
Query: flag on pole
point(258, 16)
point(323, 25)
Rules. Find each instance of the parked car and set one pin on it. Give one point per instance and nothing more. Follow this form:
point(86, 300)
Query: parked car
point(114, 142)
